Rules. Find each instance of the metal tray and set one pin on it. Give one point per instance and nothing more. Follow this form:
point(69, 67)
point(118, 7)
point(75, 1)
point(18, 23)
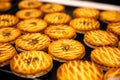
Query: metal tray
point(5, 72)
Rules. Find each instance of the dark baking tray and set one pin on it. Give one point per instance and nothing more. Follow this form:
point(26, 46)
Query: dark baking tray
point(5, 72)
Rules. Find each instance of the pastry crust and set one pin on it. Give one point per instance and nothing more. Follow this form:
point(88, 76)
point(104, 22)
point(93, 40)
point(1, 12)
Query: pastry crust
point(50, 8)
point(106, 56)
point(112, 74)
point(31, 64)
point(32, 25)
point(29, 4)
point(28, 13)
point(86, 12)
point(83, 25)
point(114, 28)
point(79, 70)
point(32, 41)
point(7, 20)
point(57, 18)
point(60, 32)
point(110, 16)
point(66, 49)
point(9, 34)
point(98, 38)
point(4, 5)
point(7, 51)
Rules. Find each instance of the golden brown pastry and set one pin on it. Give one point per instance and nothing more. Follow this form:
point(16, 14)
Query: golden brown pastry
point(32, 25)
point(64, 50)
point(5, 5)
point(7, 52)
point(106, 57)
point(50, 8)
point(32, 41)
point(31, 64)
point(57, 18)
point(60, 32)
point(112, 74)
point(98, 38)
point(79, 70)
point(83, 25)
point(86, 12)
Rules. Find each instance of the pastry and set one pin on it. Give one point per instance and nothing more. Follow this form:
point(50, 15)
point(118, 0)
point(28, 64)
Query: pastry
point(28, 13)
point(9, 34)
point(5, 6)
point(119, 44)
point(110, 16)
point(50, 8)
point(83, 25)
point(79, 70)
point(114, 28)
point(66, 49)
point(98, 38)
point(31, 64)
point(32, 25)
point(32, 41)
point(112, 74)
point(60, 32)
point(7, 20)
point(7, 52)
point(86, 12)
point(57, 18)
point(27, 4)
point(107, 57)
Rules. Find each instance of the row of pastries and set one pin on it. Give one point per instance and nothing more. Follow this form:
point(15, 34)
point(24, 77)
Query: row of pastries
point(39, 33)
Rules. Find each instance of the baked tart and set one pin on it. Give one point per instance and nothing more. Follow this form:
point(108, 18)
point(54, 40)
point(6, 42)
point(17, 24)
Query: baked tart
point(112, 74)
point(50, 8)
point(32, 41)
point(57, 18)
point(114, 28)
point(79, 70)
point(32, 25)
point(106, 57)
point(7, 52)
point(86, 12)
point(9, 34)
point(83, 25)
point(29, 4)
point(110, 16)
point(60, 32)
point(7, 20)
point(99, 38)
point(66, 49)
point(5, 5)
point(31, 64)
point(28, 13)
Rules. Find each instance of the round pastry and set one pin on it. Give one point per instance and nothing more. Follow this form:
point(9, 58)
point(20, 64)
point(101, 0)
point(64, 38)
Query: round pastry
point(32, 41)
point(107, 57)
point(9, 34)
point(79, 70)
point(66, 49)
point(7, 20)
point(110, 16)
point(112, 74)
point(60, 32)
point(4, 5)
point(98, 38)
point(28, 13)
point(83, 25)
point(32, 25)
point(50, 8)
point(31, 64)
point(7, 51)
point(114, 28)
point(27, 4)
point(86, 12)
point(57, 18)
